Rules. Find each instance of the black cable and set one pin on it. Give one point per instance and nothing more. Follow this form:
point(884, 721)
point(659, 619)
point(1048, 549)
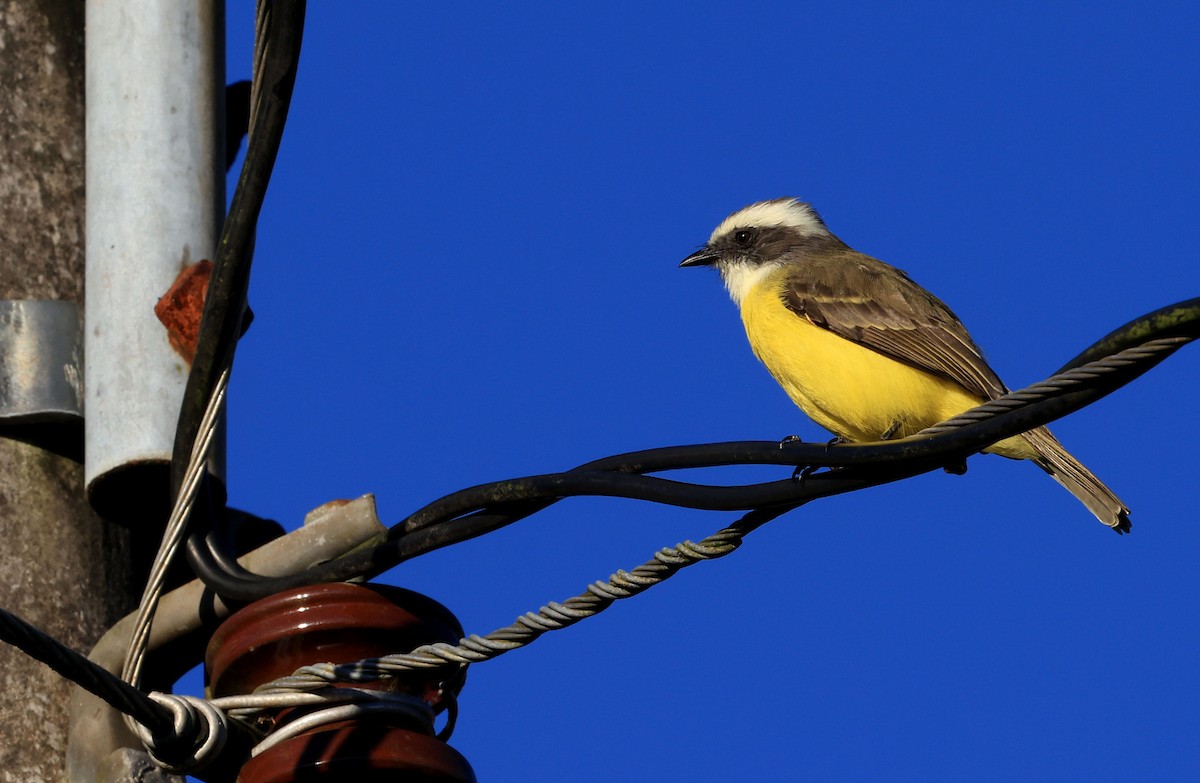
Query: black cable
point(447, 511)
point(1176, 320)
point(478, 510)
point(281, 31)
point(237, 119)
point(75, 667)
point(225, 301)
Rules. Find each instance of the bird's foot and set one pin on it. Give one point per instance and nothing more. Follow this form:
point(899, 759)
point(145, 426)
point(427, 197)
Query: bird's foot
point(890, 431)
point(790, 439)
point(802, 472)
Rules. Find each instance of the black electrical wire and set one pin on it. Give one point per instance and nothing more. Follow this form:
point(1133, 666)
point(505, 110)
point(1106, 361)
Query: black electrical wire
point(279, 34)
point(1176, 320)
point(225, 302)
point(98, 681)
point(863, 465)
point(478, 510)
point(447, 512)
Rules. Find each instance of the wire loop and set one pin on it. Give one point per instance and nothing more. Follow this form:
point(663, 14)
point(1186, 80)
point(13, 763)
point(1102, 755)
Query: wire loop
point(200, 731)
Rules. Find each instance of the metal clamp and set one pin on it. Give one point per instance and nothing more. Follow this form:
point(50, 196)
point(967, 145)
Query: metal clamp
point(41, 362)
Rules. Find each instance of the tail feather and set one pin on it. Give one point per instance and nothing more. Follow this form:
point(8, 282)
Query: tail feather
point(1078, 480)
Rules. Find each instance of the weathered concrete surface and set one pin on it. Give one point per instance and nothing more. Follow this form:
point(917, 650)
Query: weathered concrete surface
point(61, 568)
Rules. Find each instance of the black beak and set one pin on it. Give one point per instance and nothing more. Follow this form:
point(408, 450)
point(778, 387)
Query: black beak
point(705, 256)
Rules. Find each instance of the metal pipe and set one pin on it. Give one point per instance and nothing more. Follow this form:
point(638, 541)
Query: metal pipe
point(155, 201)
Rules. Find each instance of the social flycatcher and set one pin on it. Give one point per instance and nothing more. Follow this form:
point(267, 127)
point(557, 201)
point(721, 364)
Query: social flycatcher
point(862, 349)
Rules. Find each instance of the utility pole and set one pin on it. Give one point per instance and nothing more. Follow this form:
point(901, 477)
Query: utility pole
point(61, 567)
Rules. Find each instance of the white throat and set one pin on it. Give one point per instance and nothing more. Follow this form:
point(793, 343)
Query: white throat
point(741, 278)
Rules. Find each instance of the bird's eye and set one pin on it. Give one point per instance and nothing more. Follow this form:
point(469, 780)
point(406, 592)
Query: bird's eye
point(743, 238)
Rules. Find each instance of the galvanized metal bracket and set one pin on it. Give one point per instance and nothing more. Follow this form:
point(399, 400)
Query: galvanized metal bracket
point(41, 374)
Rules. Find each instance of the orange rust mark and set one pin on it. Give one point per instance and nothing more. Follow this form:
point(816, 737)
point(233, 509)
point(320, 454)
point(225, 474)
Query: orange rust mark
point(182, 306)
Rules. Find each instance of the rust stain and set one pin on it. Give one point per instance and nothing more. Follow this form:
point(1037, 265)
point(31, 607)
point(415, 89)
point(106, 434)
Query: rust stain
point(182, 306)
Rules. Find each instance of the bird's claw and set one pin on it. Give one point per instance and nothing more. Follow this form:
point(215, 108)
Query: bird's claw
point(802, 472)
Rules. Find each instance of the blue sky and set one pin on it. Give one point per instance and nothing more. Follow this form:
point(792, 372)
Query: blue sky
point(466, 271)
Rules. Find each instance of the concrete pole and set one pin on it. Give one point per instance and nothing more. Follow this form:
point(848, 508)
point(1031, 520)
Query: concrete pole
point(61, 568)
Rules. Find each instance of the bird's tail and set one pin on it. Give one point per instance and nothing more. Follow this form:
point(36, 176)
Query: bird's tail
point(1079, 481)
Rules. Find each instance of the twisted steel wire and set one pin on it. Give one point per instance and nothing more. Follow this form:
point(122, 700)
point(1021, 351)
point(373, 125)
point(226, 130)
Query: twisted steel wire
point(530, 626)
point(173, 535)
point(1063, 382)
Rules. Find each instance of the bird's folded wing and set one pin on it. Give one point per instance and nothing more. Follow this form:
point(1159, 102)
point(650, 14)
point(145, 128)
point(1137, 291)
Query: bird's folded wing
point(876, 305)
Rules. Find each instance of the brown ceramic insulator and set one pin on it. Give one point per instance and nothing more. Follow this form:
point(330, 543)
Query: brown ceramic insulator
point(361, 753)
point(340, 623)
point(335, 623)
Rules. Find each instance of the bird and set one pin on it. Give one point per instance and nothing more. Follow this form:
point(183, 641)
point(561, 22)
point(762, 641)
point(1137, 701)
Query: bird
point(859, 347)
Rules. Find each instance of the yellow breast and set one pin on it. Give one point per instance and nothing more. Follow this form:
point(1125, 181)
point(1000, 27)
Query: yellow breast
point(850, 390)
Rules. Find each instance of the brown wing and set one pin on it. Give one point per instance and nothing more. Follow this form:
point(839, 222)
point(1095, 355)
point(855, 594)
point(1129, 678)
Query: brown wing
point(878, 306)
